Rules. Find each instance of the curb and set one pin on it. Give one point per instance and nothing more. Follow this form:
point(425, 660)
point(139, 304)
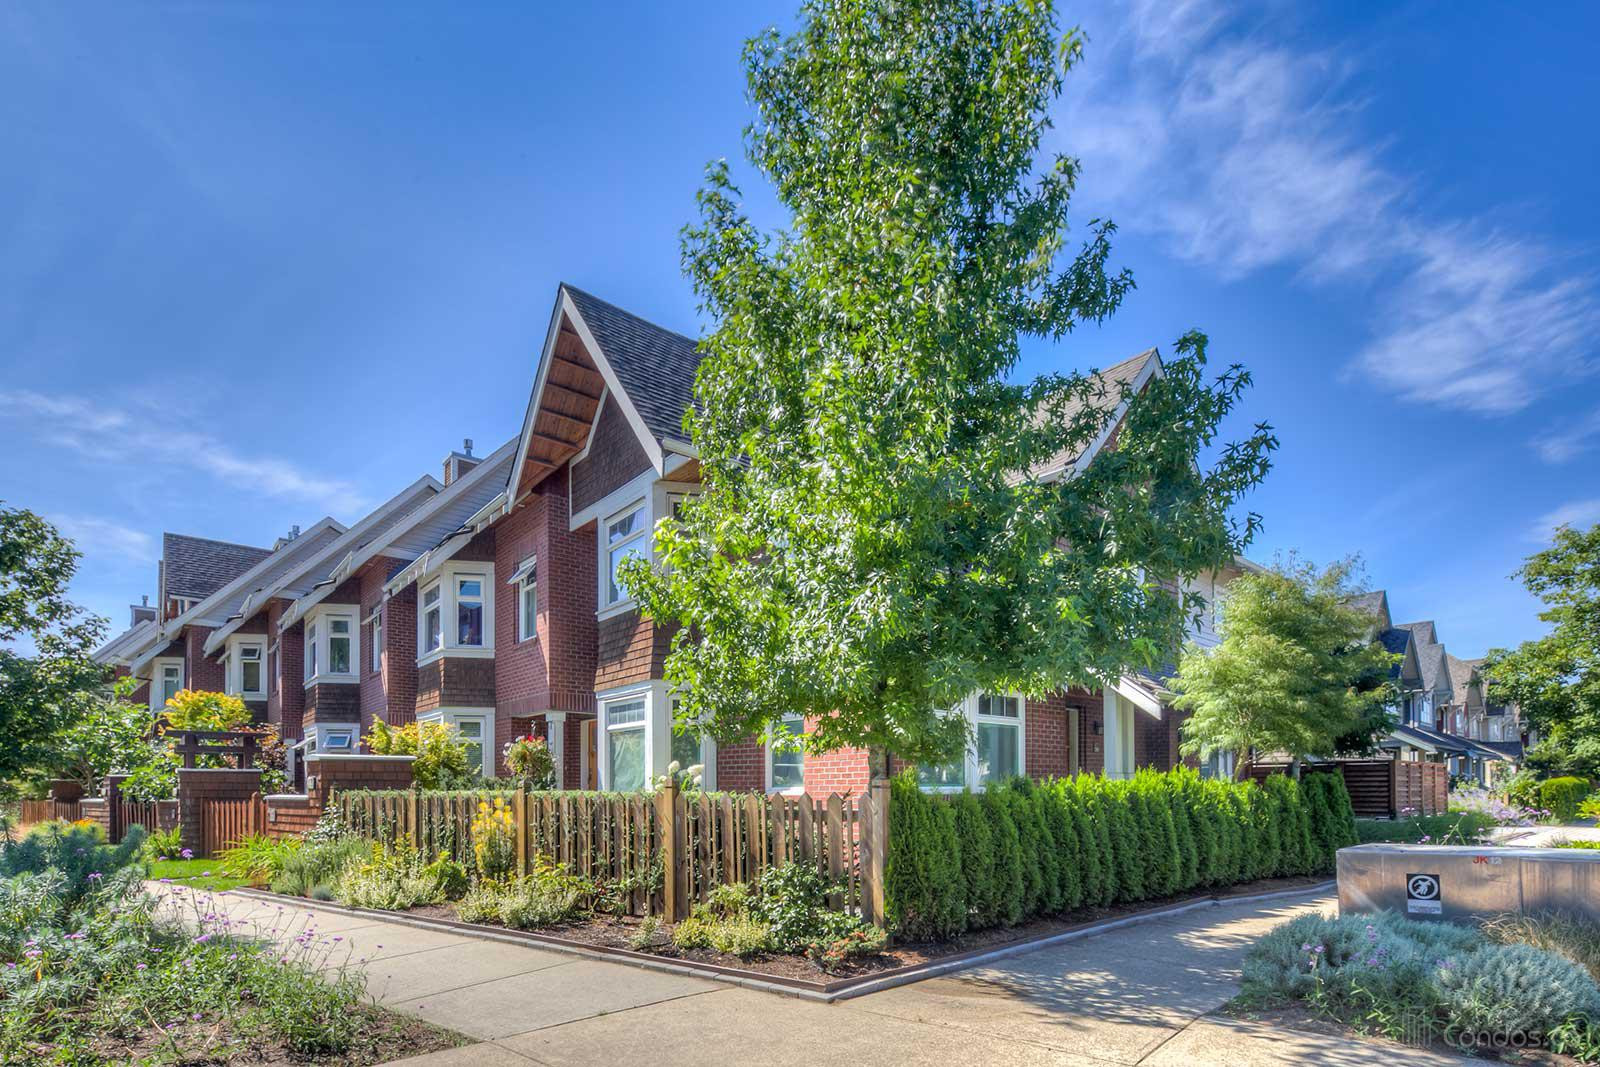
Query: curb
point(846, 990)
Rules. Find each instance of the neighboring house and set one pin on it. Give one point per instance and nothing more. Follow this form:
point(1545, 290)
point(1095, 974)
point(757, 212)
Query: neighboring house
point(1493, 733)
point(490, 601)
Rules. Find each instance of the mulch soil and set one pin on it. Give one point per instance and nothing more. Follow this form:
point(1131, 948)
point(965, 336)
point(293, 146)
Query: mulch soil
point(616, 933)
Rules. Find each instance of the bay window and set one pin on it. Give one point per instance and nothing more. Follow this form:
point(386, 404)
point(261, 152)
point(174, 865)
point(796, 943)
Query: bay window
point(457, 612)
point(637, 738)
point(332, 644)
point(625, 538)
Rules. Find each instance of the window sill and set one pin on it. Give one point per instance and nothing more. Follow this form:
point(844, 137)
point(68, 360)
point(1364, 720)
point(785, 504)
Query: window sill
point(340, 679)
point(455, 652)
point(621, 607)
point(791, 791)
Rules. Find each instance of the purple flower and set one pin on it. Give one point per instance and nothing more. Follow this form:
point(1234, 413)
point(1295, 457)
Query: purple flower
point(187, 853)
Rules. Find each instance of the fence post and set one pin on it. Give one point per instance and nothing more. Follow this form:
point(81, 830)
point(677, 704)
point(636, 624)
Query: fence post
point(1394, 787)
point(666, 800)
point(415, 816)
point(520, 812)
point(875, 852)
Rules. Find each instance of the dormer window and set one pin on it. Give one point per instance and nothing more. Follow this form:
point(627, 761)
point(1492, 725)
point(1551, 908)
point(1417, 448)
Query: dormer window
point(332, 644)
point(457, 612)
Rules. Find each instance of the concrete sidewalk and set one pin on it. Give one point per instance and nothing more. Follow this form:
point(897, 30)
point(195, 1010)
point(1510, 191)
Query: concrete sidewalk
point(1137, 995)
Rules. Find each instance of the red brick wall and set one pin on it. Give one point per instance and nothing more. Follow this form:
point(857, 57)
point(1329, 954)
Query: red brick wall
point(400, 656)
point(615, 458)
point(286, 700)
point(521, 673)
point(200, 671)
point(741, 766)
point(567, 590)
point(1092, 750)
point(844, 770)
point(374, 697)
point(1045, 725)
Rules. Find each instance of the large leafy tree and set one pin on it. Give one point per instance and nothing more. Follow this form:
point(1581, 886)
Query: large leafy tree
point(1297, 670)
point(1555, 680)
point(880, 532)
point(46, 687)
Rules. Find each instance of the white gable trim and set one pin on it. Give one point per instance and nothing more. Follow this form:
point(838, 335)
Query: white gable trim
point(652, 447)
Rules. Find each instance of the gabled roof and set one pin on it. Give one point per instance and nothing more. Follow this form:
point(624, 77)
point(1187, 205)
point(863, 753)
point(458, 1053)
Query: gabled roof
point(1463, 674)
point(115, 650)
point(299, 579)
point(420, 529)
point(1423, 738)
point(1374, 603)
point(1133, 373)
point(1403, 644)
point(1430, 655)
point(654, 365)
point(215, 609)
point(196, 567)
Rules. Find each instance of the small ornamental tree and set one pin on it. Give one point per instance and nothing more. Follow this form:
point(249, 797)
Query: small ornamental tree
point(112, 735)
point(1297, 670)
point(890, 519)
point(441, 753)
point(1555, 680)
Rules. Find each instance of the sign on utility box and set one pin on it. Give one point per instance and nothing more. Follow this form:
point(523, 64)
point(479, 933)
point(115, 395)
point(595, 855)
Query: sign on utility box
point(1459, 884)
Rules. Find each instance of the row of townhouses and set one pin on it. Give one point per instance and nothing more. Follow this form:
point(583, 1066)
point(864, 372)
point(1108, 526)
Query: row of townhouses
point(1444, 714)
point(486, 598)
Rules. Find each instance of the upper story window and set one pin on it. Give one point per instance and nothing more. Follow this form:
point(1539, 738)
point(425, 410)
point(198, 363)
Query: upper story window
point(246, 667)
point(166, 680)
point(377, 639)
point(457, 615)
point(625, 537)
point(525, 579)
point(332, 644)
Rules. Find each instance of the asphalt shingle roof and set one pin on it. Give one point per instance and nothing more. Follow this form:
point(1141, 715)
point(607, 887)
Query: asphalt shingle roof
point(1113, 378)
point(196, 567)
point(1368, 603)
point(1430, 654)
point(1395, 640)
point(655, 365)
point(1461, 672)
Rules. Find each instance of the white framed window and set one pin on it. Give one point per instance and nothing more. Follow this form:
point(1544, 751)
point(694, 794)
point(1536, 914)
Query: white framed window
point(377, 639)
point(624, 538)
point(456, 615)
point(246, 671)
point(996, 727)
point(786, 763)
point(1219, 765)
point(476, 729)
point(626, 745)
point(333, 644)
point(525, 579)
point(166, 681)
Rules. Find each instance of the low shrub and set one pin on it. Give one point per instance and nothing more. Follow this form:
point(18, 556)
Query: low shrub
point(1590, 808)
point(1400, 977)
point(1561, 797)
point(162, 844)
point(1572, 936)
point(1452, 828)
point(78, 853)
point(314, 868)
point(396, 877)
point(1503, 812)
point(737, 935)
point(258, 858)
point(1578, 844)
point(551, 894)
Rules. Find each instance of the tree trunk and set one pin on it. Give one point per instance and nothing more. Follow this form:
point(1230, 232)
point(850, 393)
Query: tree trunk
point(1294, 768)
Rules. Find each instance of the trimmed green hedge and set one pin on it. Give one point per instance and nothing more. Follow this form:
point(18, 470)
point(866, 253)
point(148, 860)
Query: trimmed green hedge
point(1561, 797)
point(1028, 849)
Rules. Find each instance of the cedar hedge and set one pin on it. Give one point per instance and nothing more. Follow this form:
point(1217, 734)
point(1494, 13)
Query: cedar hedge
point(1026, 849)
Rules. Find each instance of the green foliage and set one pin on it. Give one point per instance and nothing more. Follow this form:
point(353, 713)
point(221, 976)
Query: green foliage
point(46, 693)
point(441, 754)
point(1407, 979)
point(1573, 936)
point(1454, 828)
point(883, 528)
point(529, 761)
point(111, 735)
point(1590, 808)
point(162, 843)
point(1562, 796)
point(103, 974)
point(1297, 669)
point(550, 894)
point(792, 899)
point(1555, 680)
point(922, 875)
point(78, 854)
point(258, 859)
point(394, 877)
point(198, 709)
point(739, 936)
point(317, 865)
point(1025, 850)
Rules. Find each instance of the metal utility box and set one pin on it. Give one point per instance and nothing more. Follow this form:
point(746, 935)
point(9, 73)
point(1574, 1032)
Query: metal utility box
point(1462, 883)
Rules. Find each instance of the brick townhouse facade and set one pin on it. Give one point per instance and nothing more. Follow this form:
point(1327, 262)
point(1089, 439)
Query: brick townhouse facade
point(487, 600)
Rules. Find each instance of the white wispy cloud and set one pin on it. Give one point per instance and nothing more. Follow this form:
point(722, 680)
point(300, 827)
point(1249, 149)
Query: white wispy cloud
point(1243, 153)
point(106, 537)
point(1579, 514)
point(126, 437)
point(1569, 440)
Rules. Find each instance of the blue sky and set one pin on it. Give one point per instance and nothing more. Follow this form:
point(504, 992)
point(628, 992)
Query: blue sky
point(266, 262)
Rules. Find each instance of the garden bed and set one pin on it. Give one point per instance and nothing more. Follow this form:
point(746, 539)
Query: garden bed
point(613, 936)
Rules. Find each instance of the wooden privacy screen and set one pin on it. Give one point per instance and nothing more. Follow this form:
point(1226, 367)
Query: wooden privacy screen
point(660, 851)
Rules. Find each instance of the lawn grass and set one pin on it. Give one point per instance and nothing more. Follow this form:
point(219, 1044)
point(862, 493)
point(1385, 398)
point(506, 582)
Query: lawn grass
point(1455, 828)
point(200, 874)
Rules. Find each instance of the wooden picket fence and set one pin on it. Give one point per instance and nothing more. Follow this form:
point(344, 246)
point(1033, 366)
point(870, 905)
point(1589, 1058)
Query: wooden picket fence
point(660, 852)
point(227, 822)
point(153, 815)
point(38, 811)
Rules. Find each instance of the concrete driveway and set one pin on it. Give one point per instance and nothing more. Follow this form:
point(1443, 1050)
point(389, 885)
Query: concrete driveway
point(1138, 995)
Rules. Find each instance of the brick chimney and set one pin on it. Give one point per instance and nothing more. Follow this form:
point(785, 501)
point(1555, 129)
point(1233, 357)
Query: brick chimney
point(458, 463)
